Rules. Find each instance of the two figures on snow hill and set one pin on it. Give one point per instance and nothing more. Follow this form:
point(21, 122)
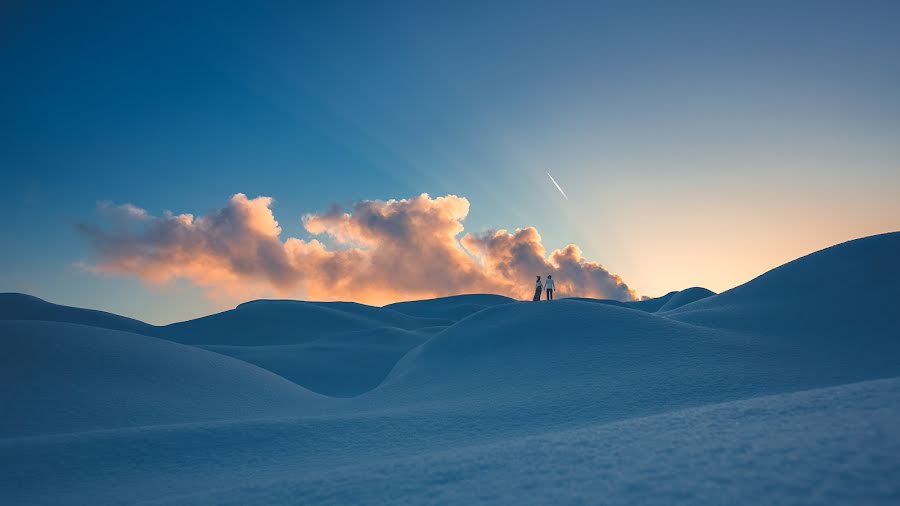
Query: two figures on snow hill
point(548, 286)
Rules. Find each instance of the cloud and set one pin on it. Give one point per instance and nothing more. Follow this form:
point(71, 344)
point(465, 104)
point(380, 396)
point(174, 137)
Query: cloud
point(520, 255)
point(382, 251)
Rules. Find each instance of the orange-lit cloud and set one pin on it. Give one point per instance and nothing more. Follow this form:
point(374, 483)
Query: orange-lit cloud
point(383, 251)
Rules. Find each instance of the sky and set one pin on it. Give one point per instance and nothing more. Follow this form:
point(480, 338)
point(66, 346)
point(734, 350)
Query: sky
point(165, 160)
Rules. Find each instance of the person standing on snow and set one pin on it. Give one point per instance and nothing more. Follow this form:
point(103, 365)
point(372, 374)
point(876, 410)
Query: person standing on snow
point(537, 290)
point(549, 287)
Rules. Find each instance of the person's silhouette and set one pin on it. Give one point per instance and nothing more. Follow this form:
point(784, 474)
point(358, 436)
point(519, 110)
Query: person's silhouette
point(537, 290)
point(549, 287)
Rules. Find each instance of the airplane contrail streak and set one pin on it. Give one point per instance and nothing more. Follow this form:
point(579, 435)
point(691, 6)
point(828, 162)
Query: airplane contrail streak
point(557, 186)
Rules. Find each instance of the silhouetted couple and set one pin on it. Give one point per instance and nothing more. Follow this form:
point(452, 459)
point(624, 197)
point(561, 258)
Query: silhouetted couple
point(548, 286)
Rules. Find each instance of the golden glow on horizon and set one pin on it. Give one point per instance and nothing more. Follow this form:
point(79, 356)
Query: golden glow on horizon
point(673, 241)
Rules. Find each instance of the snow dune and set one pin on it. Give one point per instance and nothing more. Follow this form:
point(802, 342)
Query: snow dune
point(453, 308)
point(567, 361)
point(274, 322)
point(18, 306)
point(334, 348)
point(340, 365)
point(783, 390)
point(685, 297)
point(667, 302)
point(61, 377)
point(847, 294)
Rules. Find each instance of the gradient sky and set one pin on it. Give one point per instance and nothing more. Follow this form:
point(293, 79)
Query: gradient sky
point(699, 143)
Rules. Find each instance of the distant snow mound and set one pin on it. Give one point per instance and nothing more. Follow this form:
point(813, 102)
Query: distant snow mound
point(685, 297)
point(667, 302)
point(848, 292)
point(18, 306)
point(608, 302)
point(275, 322)
point(651, 305)
point(60, 377)
point(453, 308)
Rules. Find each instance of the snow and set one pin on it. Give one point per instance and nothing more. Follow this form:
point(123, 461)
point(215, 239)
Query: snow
point(667, 302)
point(835, 445)
point(341, 365)
point(61, 377)
point(453, 308)
point(268, 322)
point(18, 306)
point(684, 297)
point(783, 390)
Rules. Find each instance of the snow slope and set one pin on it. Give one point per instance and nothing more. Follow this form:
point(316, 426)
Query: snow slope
point(340, 365)
point(453, 308)
point(667, 302)
point(650, 305)
point(342, 349)
point(272, 322)
point(567, 360)
point(61, 377)
point(831, 446)
point(847, 294)
point(685, 297)
point(18, 306)
point(612, 363)
point(783, 390)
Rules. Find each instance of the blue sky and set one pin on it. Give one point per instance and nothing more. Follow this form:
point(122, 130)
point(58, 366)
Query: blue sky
point(700, 143)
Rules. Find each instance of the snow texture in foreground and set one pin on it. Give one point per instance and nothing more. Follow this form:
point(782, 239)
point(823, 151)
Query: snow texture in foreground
point(838, 445)
point(783, 390)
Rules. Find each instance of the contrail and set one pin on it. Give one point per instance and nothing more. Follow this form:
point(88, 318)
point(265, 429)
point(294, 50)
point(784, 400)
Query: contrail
point(557, 186)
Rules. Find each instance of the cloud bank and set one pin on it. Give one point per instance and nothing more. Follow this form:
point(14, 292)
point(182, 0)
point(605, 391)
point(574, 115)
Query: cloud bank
point(379, 252)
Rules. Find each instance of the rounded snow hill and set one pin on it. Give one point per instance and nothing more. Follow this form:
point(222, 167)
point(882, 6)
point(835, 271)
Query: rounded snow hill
point(61, 377)
point(667, 302)
point(847, 293)
point(340, 365)
point(685, 297)
point(530, 364)
point(651, 305)
point(454, 308)
point(272, 322)
point(609, 302)
point(18, 306)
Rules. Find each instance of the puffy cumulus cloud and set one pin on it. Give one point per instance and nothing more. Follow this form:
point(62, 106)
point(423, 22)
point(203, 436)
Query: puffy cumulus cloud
point(513, 257)
point(383, 251)
point(235, 249)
